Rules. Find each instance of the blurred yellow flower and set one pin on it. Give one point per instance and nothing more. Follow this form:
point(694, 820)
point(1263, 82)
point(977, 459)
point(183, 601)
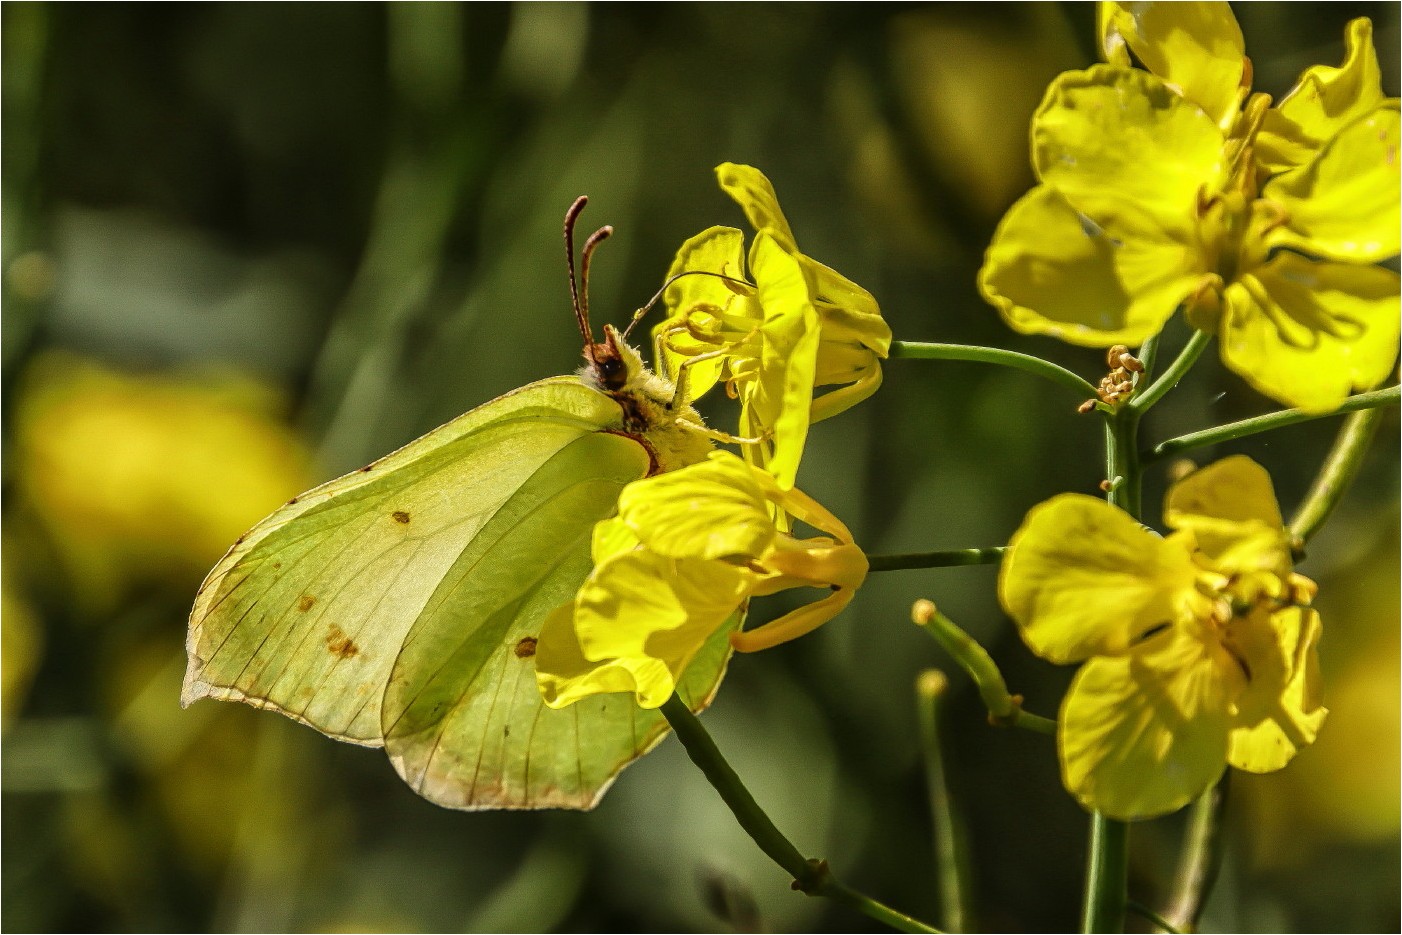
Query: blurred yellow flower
point(687, 550)
point(148, 477)
point(1200, 649)
point(1153, 196)
point(799, 325)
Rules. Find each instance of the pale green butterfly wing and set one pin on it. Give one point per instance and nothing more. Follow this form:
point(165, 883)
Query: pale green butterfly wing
point(463, 719)
point(310, 610)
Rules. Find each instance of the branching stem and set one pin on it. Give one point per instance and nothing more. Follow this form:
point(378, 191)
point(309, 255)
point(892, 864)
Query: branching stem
point(813, 877)
point(917, 350)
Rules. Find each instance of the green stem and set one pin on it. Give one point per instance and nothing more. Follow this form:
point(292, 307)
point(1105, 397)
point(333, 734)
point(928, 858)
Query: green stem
point(1148, 355)
point(1107, 872)
point(1273, 420)
point(810, 876)
point(1337, 474)
point(1153, 917)
point(951, 854)
point(1004, 708)
point(1122, 466)
point(1107, 869)
point(944, 559)
point(1201, 860)
point(1144, 398)
point(916, 350)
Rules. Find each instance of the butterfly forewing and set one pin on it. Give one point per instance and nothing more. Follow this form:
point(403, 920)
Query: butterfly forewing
point(307, 613)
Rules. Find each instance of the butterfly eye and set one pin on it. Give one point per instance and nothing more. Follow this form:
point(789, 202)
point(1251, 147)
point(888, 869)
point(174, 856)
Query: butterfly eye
point(612, 373)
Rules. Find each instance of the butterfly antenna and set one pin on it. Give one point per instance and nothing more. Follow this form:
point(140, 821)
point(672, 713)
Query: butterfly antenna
point(581, 310)
point(590, 245)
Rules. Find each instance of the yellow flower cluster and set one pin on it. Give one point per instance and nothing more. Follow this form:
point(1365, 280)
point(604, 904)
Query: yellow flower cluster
point(1199, 649)
point(1173, 186)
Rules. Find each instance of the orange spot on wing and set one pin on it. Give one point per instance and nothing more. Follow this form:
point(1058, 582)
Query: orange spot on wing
point(339, 643)
point(305, 602)
point(525, 649)
point(400, 516)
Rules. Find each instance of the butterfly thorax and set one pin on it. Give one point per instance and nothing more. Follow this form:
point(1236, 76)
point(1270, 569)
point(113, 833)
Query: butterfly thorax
point(671, 430)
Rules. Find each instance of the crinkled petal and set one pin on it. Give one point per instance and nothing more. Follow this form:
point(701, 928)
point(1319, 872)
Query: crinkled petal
point(1322, 102)
point(708, 510)
point(782, 397)
point(1235, 488)
point(1195, 47)
point(1115, 140)
point(1082, 578)
point(1144, 734)
point(1343, 205)
point(754, 193)
point(1308, 333)
point(1281, 712)
point(639, 619)
point(1051, 271)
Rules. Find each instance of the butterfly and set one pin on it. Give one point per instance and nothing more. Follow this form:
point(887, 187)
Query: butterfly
point(400, 605)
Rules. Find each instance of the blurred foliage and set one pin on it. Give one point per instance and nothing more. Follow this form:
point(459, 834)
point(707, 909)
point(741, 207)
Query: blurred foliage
point(236, 234)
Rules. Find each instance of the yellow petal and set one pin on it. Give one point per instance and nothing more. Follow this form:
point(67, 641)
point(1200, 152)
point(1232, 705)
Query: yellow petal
point(1051, 271)
point(1115, 140)
point(1144, 734)
point(782, 397)
point(1195, 47)
point(1343, 205)
point(792, 625)
point(817, 563)
point(562, 672)
point(754, 194)
point(848, 312)
point(1322, 102)
point(708, 510)
point(849, 352)
point(1231, 510)
point(1281, 713)
point(1235, 488)
point(1082, 578)
point(648, 615)
point(611, 537)
point(1307, 334)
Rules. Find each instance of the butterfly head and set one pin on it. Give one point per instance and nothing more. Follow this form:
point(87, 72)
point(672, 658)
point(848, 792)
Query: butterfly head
point(611, 363)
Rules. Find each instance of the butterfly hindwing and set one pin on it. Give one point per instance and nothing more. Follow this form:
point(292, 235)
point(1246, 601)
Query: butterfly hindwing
point(463, 719)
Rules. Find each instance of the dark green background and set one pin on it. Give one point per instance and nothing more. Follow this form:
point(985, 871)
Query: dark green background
point(361, 203)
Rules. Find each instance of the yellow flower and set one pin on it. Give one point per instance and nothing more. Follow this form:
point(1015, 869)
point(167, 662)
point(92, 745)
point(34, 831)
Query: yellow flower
point(686, 552)
point(797, 325)
point(1153, 195)
point(1200, 649)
